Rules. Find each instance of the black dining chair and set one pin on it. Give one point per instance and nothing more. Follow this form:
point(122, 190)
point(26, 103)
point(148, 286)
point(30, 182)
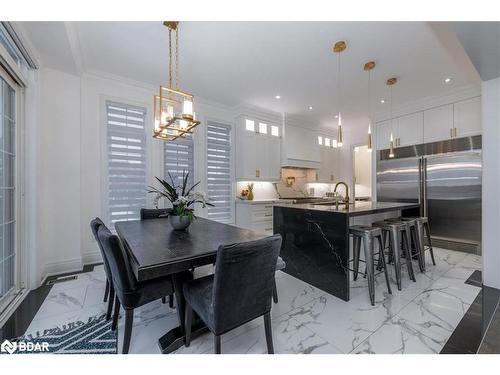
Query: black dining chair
point(157, 213)
point(130, 293)
point(109, 293)
point(240, 290)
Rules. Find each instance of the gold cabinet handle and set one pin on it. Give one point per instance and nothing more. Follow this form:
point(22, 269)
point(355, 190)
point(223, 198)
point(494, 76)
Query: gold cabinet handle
point(455, 132)
point(257, 173)
point(451, 132)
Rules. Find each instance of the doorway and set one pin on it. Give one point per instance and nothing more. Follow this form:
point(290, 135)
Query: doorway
point(362, 159)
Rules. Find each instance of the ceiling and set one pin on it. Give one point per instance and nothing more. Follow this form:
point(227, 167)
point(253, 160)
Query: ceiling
point(251, 62)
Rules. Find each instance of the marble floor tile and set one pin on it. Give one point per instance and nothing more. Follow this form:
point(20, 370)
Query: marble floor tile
point(397, 337)
point(97, 278)
point(289, 337)
point(58, 302)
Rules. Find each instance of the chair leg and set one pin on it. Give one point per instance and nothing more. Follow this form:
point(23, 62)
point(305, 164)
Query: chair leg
point(171, 301)
point(409, 265)
point(188, 324)
point(129, 321)
point(427, 229)
point(275, 292)
point(381, 257)
point(217, 344)
point(394, 245)
point(370, 272)
point(111, 299)
point(421, 242)
point(163, 300)
point(106, 291)
point(356, 245)
point(115, 315)
point(269, 333)
point(414, 239)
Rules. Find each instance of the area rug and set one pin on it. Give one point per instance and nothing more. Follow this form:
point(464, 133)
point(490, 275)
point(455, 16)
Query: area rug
point(91, 337)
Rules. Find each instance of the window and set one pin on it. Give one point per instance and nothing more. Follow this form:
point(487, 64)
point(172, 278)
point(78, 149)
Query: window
point(7, 193)
point(275, 131)
point(250, 125)
point(178, 157)
point(320, 140)
point(126, 151)
point(334, 143)
point(262, 128)
point(219, 172)
point(327, 142)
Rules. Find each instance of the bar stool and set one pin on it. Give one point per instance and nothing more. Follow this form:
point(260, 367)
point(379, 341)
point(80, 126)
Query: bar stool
point(416, 241)
point(368, 235)
point(397, 231)
point(423, 226)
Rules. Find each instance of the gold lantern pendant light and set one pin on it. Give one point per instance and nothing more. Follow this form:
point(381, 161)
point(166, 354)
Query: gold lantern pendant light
point(338, 48)
point(174, 114)
point(369, 66)
point(391, 82)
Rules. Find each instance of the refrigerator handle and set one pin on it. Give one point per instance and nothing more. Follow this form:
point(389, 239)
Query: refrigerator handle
point(424, 186)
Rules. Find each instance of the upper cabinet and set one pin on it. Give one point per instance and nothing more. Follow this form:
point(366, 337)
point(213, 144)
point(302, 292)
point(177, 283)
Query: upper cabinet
point(410, 129)
point(383, 134)
point(467, 117)
point(300, 148)
point(438, 123)
point(258, 150)
point(328, 170)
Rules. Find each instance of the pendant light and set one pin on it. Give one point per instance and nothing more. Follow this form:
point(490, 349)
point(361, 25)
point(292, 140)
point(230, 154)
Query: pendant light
point(338, 48)
point(369, 66)
point(391, 82)
point(174, 114)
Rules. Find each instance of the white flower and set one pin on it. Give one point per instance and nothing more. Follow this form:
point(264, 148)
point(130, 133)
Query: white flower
point(180, 200)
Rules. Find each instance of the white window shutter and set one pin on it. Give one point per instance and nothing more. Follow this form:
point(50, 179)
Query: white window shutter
point(219, 172)
point(179, 157)
point(126, 151)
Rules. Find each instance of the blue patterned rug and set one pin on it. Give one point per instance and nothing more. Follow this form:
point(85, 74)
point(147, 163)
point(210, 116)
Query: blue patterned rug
point(91, 337)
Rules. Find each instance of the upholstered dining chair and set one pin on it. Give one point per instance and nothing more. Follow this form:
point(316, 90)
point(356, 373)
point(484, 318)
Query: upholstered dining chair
point(239, 291)
point(109, 293)
point(157, 213)
point(130, 293)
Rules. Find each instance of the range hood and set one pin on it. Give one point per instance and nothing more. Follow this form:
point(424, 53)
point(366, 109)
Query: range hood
point(299, 148)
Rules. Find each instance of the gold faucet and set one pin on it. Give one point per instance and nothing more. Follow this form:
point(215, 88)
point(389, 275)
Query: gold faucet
point(346, 198)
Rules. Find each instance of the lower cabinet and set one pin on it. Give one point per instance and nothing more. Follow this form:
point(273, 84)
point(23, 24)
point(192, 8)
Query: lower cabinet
point(255, 216)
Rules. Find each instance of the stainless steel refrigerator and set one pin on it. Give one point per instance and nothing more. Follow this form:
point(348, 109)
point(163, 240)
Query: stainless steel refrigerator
point(445, 178)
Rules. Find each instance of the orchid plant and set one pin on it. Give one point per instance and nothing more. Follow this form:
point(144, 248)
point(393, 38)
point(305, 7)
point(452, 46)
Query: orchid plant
point(181, 197)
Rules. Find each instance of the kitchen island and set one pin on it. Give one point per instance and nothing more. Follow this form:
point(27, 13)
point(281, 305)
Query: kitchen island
point(316, 239)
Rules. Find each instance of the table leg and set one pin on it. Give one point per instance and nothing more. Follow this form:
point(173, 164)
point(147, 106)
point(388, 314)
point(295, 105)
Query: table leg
point(175, 338)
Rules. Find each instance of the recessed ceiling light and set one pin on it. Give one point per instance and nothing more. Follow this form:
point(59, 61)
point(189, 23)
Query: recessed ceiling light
point(336, 116)
point(447, 80)
point(310, 108)
point(278, 97)
point(382, 101)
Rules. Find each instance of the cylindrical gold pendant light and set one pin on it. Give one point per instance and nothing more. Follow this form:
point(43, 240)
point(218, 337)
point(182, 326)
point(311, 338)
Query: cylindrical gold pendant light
point(338, 48)
point(391, 82)
point(369, 66)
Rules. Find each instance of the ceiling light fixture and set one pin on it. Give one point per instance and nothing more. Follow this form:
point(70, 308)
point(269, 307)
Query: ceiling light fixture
point(338, 48)
point(447, 80)
point(391, 82)
point(369, 66)
point(174, 115)
point(382, 101)
point(310, 108)
point(277, 97)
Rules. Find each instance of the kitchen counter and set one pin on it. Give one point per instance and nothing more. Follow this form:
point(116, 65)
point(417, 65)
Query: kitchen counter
point(356, 208)
point(316, 240)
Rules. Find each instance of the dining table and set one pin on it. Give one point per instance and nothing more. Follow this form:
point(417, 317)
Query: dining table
point(157, 250)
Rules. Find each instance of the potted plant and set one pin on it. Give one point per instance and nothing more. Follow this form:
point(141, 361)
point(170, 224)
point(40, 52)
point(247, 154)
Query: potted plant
point(182, 198)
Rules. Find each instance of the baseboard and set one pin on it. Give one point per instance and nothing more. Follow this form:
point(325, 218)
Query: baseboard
point(65, 266)
point(91, 257)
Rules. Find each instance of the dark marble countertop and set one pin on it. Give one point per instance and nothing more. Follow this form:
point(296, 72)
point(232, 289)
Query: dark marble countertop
point(356, 209)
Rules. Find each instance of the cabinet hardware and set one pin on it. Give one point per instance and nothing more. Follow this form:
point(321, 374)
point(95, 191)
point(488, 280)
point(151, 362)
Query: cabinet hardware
point(451, 132)
point(257, 173)
point(455, 132)
point(268, 229)
point(331, 177)
point(268, 215)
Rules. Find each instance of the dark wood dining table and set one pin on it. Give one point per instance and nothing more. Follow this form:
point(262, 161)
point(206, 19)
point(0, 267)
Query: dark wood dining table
point(156, 250)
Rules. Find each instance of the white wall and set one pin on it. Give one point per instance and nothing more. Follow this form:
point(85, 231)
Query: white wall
point(491, 182)
point(59, 179)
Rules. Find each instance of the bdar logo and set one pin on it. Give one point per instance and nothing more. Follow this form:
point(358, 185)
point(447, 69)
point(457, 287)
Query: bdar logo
point(8, 347)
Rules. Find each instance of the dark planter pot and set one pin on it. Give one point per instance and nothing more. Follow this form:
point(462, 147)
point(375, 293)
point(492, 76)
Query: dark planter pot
point(179, 222)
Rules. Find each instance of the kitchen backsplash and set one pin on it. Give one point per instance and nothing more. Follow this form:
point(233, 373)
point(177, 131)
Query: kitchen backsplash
point(300, 187)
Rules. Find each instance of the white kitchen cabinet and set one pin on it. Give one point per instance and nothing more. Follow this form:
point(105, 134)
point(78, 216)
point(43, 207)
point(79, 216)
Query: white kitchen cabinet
point(258, 156)
point(410, 130)
point(255, 215)
point(467, 117)
point(300, 148)
point(327, 172)
point(438, 123)
point(383, 134)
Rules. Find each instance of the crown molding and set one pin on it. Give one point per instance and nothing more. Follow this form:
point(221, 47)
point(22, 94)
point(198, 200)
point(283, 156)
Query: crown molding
point(452, 96)
point(257, 112)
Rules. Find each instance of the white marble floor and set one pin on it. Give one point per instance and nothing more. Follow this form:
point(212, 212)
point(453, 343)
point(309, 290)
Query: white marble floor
point(418, 319)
